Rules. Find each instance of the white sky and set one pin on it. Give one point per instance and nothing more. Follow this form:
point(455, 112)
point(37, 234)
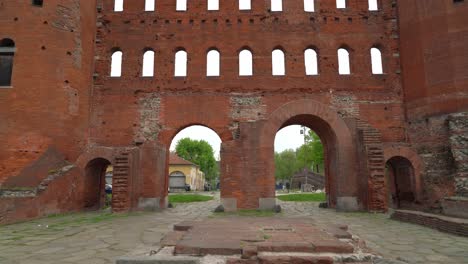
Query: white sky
point(198, 133)
point(287, 138)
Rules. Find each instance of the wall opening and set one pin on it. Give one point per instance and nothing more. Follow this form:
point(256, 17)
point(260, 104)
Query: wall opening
point(213, 61)
point(213, 5)
point(195, 158)
point(98, 184)
point(376, 60)
point(7, 54)
point(118, 5)
point(308, 144)
point(150, 5)
point(309, 5)
point(373, 5)
point(38, 3)
point(180, 67)
point(148, 64)
point(340, 4)
point(278, 63)
point(245, 63)
point(116, 64)
point(181, 5)
point(245, 4)
point(401, 182)
point(276, 5)
point(299, 161)
point(310, 62)
point(343, 62)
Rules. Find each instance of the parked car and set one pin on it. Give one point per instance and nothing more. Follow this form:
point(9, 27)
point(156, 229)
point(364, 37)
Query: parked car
point(108, 188)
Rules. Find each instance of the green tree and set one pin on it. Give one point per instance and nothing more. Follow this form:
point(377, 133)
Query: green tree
point(288, 162)
point(201, 153)
point(285, 164)
point(311, 152)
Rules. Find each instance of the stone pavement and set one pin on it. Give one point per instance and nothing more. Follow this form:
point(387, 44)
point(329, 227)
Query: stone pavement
point(93, 238)
point(392, 239)
point(230, 236)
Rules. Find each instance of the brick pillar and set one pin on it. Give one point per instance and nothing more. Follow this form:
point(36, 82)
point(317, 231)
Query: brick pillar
point(152, 177)
point(247, 179)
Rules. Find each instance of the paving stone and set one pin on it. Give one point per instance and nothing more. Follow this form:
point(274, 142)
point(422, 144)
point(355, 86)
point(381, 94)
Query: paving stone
point(108, 240)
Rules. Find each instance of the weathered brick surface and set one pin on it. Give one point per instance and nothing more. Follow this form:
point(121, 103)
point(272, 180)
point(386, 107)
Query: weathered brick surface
point(63, 97)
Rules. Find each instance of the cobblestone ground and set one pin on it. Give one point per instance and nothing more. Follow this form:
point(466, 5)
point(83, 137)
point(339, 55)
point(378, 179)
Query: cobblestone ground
point(392, 239)
point(94, 238)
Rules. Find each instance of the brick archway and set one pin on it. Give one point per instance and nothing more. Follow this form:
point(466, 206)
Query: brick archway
point(166, 137)
point(340, 149)
point(416, 162)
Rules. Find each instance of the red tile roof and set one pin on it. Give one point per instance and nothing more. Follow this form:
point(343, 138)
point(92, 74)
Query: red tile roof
point(176, 160)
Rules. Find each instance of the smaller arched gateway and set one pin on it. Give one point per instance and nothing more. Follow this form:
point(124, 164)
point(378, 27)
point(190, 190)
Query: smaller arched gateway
point(401, 182)
point(403, 168)
point(94, 183)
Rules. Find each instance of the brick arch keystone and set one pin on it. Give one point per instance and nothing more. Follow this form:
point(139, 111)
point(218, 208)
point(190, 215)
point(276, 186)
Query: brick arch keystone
point(94, 153)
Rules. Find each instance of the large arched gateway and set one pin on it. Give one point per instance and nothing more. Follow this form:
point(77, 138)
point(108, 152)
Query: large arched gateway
point(339, 149)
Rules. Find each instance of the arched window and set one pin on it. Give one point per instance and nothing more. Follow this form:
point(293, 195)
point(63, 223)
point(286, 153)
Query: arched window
point(116, 64)
point(376, 59)
point(343, 62)
point(148, 64)
point(212, 63)
point(245, 4)
point(373, 5)
point(276, 5)
point(309, 5)
point(181, 5)
point(340, 3)
point(311, 64)
point(180, 64)
point(7, 53)
point(118, 5)
point(245, 63)
point(213, 4)
point(149, 5)
point(278, 63)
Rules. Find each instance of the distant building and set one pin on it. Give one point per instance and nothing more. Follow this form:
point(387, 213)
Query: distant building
point(308, 177)
point(182, 173)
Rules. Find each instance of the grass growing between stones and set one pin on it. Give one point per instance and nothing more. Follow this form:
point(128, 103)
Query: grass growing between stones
point(189, 198)
point(303, 197)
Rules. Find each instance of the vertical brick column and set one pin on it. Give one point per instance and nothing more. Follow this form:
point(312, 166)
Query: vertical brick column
point(458, 126)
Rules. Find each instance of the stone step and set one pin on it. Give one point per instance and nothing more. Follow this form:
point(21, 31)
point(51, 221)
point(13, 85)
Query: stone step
point(453, 225)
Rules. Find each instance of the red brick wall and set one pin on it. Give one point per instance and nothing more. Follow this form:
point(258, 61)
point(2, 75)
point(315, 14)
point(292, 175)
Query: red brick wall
point(48, 103)
point(433, 40)
point(434, 37)
point(139, 110)
point(62, 94)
